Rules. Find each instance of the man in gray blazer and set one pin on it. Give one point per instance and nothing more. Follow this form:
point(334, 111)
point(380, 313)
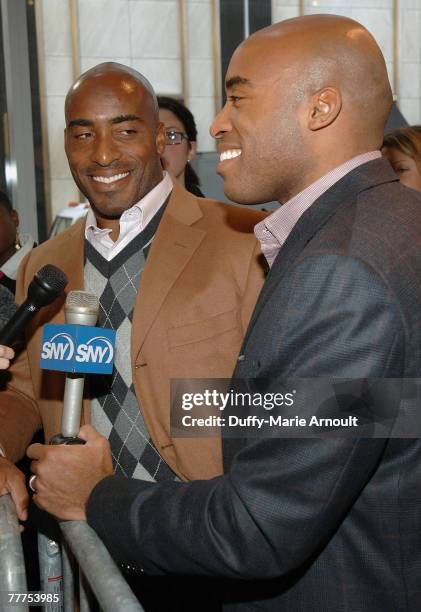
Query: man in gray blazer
point(297, 525)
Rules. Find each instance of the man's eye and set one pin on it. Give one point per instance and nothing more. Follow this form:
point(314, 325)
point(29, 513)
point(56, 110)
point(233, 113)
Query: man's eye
point(128, 131)
point(234, 99)
point(83, 135)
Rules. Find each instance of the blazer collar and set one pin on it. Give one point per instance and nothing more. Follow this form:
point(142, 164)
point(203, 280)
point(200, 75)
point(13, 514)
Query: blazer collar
point(174, 244)
point(68, 254)
point(340, 195)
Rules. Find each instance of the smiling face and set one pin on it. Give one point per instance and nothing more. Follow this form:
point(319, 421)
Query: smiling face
point(113, 141)
point(405, 167)
point(258, 131)
point(303, 96)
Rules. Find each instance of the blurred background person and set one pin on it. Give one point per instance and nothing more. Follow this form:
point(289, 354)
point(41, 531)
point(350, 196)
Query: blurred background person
point(180, 143)
point(13, 245)
point(402, 147)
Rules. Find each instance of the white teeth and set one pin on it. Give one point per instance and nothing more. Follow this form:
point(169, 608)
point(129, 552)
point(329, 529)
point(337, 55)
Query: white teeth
point(229, 154)
point(110, 179)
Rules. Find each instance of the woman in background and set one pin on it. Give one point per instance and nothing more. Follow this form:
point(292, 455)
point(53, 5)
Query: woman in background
point(13, 245)
point(402, 148)
point(180, 143)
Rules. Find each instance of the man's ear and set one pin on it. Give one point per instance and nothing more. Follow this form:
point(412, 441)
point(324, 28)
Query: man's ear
point(325, 106)
point(160, 138)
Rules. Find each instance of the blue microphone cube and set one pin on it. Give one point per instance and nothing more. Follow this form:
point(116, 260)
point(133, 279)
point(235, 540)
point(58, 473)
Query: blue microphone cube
point(80, 349)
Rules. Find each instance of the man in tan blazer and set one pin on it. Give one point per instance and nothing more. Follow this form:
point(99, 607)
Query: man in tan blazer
point(198, 288)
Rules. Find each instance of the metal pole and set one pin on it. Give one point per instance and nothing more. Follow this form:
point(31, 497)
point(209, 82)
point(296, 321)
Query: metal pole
point(246, 18)
point(110, 588)
point(86, 597)
point(50, 569)
point(12, 563)
point(69, 571)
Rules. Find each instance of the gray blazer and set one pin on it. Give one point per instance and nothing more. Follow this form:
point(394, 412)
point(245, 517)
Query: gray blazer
point(307, 525)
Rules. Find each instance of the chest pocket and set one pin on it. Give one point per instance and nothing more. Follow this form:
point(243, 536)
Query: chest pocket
point(202, 330)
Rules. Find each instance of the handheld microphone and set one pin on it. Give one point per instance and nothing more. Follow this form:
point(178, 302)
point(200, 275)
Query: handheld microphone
point(47, 284)
point(81, 308)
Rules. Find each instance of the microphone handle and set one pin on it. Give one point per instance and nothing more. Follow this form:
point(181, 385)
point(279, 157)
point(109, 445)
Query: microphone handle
point(72, 405)
point(12, 331)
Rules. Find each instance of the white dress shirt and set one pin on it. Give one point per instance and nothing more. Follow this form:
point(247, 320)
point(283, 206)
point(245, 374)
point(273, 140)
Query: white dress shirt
point(132, 221)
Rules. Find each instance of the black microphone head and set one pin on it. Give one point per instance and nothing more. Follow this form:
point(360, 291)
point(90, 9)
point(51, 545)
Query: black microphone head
point(47, 284)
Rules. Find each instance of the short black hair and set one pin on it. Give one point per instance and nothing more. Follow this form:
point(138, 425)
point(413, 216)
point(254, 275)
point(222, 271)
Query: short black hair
point(5, 201)
point(182, 113)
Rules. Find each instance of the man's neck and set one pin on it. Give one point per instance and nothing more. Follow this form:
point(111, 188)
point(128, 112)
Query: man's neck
point(112, 224)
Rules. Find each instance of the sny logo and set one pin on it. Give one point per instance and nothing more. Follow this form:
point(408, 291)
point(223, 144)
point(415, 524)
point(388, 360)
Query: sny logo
point(78, 348)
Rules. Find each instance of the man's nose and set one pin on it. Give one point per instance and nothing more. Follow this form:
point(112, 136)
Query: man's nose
point(105, 150)
point(221, 123)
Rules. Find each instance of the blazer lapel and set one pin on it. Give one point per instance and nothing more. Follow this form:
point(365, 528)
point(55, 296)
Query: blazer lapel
point(339, 196)
point(174, 244)
point(73, 267)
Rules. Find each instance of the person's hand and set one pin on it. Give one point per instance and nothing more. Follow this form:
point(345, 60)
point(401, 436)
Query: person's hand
point(12, 481)
point(6, 354)
point(66, 475)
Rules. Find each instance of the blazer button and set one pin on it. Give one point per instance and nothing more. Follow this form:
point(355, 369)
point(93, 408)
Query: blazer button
point(241, 357)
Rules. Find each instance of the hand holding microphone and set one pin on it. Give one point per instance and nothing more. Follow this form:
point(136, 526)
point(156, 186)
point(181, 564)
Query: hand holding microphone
point(65, 476)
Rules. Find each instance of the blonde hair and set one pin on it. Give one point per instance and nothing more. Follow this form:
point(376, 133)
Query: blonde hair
point(407, 140)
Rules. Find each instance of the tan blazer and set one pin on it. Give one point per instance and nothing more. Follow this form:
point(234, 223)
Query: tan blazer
point(195, 298)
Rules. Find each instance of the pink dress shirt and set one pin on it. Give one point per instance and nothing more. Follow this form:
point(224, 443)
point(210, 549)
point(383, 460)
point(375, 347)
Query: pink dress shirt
point(275, 229)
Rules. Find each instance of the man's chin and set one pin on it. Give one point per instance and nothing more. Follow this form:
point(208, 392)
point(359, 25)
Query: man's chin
point(239, 196)
point(109, 210)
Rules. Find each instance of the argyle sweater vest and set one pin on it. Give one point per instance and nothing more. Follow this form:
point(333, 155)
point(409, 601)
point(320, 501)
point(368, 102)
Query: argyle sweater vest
point(115, 410)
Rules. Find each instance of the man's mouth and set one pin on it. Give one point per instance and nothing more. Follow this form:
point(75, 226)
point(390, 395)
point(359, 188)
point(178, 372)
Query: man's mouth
point(229, 154)
point(109, 179)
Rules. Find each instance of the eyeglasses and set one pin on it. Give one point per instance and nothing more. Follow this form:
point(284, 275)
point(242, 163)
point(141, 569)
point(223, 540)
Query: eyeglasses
point(172, 137)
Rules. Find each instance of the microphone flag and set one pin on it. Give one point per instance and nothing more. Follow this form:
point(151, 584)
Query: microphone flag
point(80, 349)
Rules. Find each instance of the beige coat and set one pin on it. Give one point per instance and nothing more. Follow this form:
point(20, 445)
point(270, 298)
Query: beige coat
point(196, 295)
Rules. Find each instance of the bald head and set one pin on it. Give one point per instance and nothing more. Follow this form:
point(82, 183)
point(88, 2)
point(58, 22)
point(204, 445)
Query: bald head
point(113, 73)
point(332, 51)
point(303, 96)
point(113, 139)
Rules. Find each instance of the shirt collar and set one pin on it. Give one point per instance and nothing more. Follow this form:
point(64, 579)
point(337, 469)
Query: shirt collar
point(273, 231)
point(143, 211)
